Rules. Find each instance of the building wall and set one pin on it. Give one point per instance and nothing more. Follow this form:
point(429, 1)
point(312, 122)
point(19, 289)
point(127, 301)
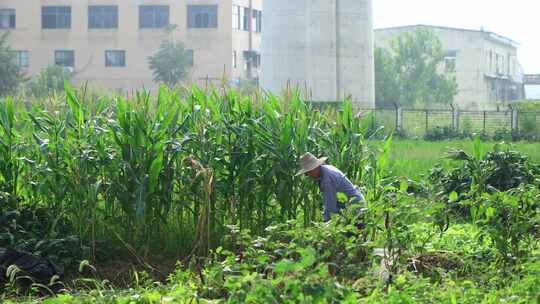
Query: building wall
point(472, 51)
point(325, 47)
point(240, 43)
point(503, 77)
point(212, 47)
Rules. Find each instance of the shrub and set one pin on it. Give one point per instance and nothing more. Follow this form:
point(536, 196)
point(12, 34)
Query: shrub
point(50, 79)
point(510, 220)
point(38, 231)
point(499, 170)
point(442, 133)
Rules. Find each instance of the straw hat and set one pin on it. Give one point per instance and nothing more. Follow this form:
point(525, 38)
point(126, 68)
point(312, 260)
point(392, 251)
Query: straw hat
point(310, 162)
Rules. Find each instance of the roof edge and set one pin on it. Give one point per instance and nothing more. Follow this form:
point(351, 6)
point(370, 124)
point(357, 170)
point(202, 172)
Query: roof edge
point(492, 35)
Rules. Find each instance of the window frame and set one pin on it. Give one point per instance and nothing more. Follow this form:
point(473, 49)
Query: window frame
point(236, 17)
point(244, 19)
point(20, 60)
point(11, 14)
point(450, 64)
point(450, 60)
point(256, 21)
point(197, 11)
point(259, 23)
point(56, 57)
point(100, 18)
point(155, 11)
point(62, 20)
point(110, 63)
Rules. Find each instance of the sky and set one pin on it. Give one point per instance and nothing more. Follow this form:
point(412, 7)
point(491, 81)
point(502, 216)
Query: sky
point(516, 19)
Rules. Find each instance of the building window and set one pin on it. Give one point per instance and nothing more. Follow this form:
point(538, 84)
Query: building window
point(498, 64)
point(450, 61)
point(21, 58)
point(490, 68)
point(102, 16)
point(256, 24)
point(512, 63)
point(202, 16)
point(251, 59)
point(7, 18)
point(244, 17)
point(234, 59)
point(257, 62)
point(64, 58)
point(56, 17)
point(115, 58)
point(259, 24)
point(190, 57)
point(450, 64)
point(153, 16)
point(236, 17)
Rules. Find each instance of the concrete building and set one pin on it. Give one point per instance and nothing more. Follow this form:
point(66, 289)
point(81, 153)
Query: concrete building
point(531, 85)
point(108, 42)
point(324, 47)
point(485, 64)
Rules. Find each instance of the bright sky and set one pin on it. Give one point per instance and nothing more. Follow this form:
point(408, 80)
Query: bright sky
point(515, 19)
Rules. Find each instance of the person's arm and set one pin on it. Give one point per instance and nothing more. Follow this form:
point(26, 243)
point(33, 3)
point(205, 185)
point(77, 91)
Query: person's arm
point(353, 193)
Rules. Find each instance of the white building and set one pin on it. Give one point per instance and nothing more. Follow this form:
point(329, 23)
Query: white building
point(486, 66)
point(324, 47)
point(107, 42)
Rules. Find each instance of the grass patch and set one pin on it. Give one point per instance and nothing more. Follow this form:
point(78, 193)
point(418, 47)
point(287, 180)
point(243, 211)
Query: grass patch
point(414, 158)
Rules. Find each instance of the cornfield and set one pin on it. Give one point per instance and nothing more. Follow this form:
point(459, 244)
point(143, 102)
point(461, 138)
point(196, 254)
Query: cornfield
point(170, 173)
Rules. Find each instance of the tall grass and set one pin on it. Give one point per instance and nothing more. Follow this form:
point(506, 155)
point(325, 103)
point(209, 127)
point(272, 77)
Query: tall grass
point(170, 172)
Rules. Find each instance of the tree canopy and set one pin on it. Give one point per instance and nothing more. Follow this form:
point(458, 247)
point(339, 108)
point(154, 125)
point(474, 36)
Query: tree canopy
point(11, 74)
point(410, 73)
point(171, 63)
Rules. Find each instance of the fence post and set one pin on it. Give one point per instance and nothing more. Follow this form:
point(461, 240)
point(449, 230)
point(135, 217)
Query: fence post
point(399, 118)
point(455, 117)
point(373, 119)
point(484, 122)
point(427, 120)
point(514, 117)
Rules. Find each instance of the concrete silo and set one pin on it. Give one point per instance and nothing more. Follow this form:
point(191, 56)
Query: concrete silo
point(324, 45)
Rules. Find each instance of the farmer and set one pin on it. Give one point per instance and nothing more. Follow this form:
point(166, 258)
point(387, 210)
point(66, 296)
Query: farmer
point(331, 181)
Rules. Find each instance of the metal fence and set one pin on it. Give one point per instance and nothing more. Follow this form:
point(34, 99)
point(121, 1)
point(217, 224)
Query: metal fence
point(418, 122)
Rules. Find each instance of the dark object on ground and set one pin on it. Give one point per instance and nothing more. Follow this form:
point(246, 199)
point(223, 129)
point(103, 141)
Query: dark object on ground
point(431, 263)
point(33, 269)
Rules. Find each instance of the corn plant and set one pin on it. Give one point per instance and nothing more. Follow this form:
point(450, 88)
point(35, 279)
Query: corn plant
point(116, 165)
point(9, 163)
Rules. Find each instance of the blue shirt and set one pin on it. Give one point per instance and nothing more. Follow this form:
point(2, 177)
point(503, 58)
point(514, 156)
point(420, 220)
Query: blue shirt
point(331, 182)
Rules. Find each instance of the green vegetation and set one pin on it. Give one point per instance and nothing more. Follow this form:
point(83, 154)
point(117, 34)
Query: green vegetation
point(414, 158)
point(209, 180)
point(409, 74)
point(11, 74)
point(166, 174)
point(171, 63)
point(527, 105)
point(49, 81)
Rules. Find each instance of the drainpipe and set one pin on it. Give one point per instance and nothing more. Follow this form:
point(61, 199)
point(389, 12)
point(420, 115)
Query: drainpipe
point(250, 41)
point(338, 59)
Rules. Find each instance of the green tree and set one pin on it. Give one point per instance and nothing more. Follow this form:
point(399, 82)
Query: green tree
point(411, 73)
point(50, 79)
point(171, 63)
point(387, 92)
point(11, 74)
